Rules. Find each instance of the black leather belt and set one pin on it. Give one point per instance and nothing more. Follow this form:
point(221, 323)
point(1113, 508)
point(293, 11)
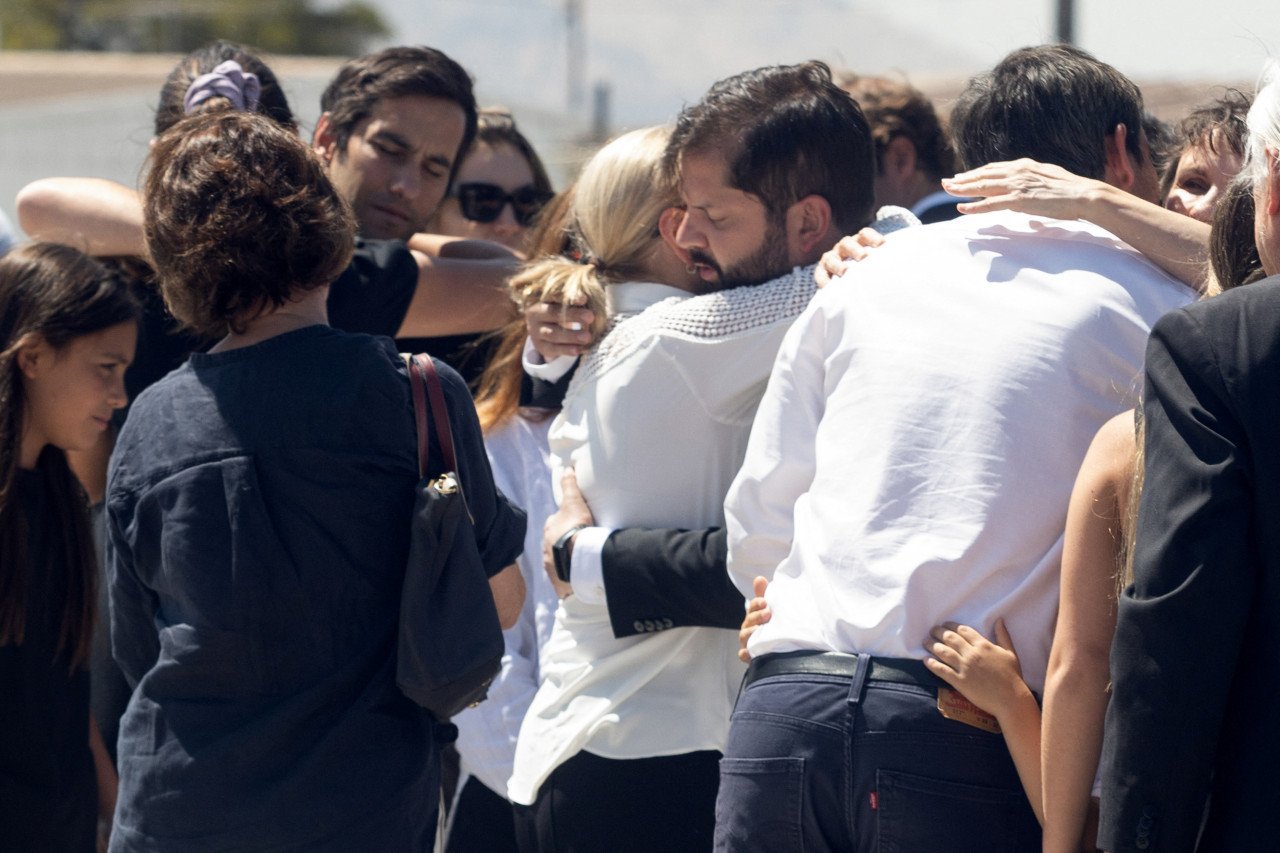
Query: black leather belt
point(898, 670)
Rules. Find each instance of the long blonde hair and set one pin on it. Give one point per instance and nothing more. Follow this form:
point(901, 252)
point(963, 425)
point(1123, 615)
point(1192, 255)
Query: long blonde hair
point(613, 220)
point(612, 230)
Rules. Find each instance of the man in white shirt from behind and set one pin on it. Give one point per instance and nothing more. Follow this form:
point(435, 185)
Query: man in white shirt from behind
point(911, 464)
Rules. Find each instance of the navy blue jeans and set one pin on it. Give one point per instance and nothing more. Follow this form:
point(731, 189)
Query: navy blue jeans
point(839, 763)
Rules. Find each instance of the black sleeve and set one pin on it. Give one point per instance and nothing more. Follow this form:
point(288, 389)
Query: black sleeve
point(499, 524)
point(542, 394)
point(373, 293)
point(659, 579)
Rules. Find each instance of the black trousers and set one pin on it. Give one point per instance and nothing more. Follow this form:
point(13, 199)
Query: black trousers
point(591, 804)
point(482, 821)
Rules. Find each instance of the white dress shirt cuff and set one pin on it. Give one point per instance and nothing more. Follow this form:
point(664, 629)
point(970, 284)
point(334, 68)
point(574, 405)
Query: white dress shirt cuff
point(547, 371)
point(586, 566)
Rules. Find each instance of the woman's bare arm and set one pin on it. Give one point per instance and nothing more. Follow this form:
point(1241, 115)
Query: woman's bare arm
point(1075, 701)
point(1178, 244)
point(99, 217)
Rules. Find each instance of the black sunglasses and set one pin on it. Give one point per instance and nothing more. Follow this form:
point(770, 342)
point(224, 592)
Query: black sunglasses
point(484, 202)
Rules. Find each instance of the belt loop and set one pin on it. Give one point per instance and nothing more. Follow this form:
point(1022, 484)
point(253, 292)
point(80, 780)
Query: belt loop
point(742, 685)
point(859, 679)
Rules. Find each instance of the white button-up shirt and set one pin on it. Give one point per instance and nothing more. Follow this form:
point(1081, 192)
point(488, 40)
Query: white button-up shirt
point(912, 459)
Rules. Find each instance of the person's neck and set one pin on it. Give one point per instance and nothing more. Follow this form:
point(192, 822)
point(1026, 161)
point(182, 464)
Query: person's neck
point(29, 448)
point(303, 310)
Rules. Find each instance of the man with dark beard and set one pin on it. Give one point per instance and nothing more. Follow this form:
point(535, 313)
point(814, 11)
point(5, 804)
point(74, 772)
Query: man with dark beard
point(774, 166)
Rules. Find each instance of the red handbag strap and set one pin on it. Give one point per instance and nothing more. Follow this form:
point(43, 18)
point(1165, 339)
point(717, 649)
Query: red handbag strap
point(419, 412)
point(423, 373)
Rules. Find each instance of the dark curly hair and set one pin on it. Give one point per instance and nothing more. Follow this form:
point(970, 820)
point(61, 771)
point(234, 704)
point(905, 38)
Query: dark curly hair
point(1218, 126)
point(238, 217)
point(895, 109)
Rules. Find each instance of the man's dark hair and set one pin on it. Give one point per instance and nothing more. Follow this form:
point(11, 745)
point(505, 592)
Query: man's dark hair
point(785, 132)
point(1052, 103)
point(896, 109)
point(396, 73)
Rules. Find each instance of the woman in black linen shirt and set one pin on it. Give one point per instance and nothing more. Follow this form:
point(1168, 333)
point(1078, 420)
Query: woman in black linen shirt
point(258, 510)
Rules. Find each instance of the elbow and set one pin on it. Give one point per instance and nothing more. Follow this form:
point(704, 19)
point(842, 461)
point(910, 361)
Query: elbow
point(1078, 668)
point(36, 205)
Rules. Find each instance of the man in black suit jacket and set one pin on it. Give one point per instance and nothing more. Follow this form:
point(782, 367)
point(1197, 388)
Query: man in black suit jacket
point(1189, 759)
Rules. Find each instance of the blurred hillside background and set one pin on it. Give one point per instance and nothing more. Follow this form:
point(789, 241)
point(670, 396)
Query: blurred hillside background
point(78, 78)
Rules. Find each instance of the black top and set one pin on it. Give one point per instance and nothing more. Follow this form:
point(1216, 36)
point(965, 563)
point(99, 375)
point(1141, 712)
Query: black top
point(258, 518)
point(373, 293)
point(372, 296)
point(48, 790)
point(468, 354)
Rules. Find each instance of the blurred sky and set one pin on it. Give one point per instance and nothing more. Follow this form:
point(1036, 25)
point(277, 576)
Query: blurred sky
point(658, 54)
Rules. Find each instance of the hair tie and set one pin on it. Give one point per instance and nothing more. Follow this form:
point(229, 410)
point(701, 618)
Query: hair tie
point(593, 261)
point(228, 81)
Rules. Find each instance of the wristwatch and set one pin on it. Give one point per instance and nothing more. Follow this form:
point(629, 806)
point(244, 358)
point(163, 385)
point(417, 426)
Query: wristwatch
point(560, 552)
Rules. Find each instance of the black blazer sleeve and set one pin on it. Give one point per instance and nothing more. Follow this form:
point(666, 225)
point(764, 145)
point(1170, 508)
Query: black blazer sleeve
point(659, 579)
point(1182, 625)
point(542, 394)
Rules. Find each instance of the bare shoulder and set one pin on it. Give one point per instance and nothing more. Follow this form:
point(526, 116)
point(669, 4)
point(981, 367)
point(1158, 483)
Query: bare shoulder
point(1108, 466)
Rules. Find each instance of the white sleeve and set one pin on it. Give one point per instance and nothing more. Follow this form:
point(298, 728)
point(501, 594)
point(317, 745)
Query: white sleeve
point(547, 371)
point(586, 568)
point(780, 460)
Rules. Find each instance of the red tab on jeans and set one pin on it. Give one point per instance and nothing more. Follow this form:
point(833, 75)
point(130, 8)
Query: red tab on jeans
point(875, 800)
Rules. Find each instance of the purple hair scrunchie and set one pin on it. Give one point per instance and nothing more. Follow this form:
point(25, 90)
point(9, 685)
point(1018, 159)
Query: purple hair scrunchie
point(228, 81)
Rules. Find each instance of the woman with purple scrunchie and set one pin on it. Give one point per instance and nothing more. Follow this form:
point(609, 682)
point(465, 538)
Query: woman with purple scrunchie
point(228, 81)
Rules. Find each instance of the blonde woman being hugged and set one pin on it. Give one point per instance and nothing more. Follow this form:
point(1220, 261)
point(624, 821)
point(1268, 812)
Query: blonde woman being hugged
point(623, 731)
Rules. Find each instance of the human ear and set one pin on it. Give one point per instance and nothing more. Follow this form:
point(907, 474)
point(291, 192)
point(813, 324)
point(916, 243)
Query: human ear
point(1119, 171)
point(325, 141)
point(33, 353)
point(1273, 184)
point(808, 224)
point(899, 160)
point(668, 224)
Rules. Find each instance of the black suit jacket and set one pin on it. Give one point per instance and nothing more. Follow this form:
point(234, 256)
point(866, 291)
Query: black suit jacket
point(1192, 742)
point(657, 579)
point(660, 579)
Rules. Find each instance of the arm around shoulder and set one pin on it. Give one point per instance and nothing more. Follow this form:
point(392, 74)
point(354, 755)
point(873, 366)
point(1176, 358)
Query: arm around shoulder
point(458, 296)
point(100, 217)
point(658, 579)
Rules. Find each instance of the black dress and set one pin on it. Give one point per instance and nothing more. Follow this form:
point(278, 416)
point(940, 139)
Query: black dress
point(48, 789)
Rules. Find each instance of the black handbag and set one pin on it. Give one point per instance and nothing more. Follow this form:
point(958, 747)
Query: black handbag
point(450, 641)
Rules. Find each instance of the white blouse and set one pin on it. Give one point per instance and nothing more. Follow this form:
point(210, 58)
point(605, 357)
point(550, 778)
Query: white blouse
point(655, 423)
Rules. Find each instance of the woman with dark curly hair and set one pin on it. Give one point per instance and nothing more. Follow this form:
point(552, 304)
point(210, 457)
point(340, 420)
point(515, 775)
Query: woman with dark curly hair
point(258, 511)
